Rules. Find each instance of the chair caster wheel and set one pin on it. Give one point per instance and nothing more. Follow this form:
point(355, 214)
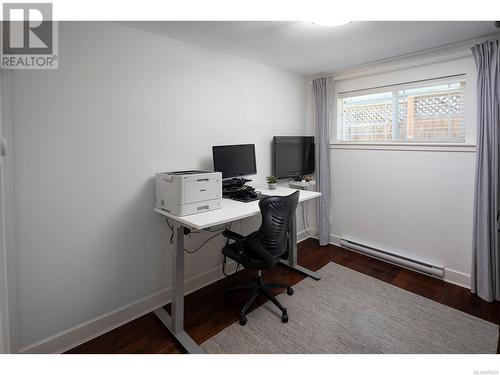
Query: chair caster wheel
point(284, 317)
point(243, 320)
point(289, 291)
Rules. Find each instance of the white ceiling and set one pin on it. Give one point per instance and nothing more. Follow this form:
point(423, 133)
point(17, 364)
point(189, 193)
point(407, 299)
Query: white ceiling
point(307, 48)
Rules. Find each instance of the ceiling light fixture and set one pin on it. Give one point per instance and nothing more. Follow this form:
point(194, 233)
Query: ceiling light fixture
point(331, 22)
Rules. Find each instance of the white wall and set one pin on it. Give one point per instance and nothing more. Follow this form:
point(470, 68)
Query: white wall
point(412, 202)
point(87, 139)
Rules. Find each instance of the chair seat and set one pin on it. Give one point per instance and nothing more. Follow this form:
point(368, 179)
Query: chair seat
point(252, 260)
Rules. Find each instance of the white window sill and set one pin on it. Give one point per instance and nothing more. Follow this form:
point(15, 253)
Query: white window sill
point(435, 147)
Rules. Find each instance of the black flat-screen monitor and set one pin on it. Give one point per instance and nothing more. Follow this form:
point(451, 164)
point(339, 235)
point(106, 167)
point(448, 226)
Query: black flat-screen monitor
point(293, 156)
point(234, 160)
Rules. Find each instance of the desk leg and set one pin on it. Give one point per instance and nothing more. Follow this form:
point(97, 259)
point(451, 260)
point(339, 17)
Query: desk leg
point(175, 321)
point(292, 253)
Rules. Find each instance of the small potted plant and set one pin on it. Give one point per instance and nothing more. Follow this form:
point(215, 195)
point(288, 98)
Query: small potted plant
point(272, 182)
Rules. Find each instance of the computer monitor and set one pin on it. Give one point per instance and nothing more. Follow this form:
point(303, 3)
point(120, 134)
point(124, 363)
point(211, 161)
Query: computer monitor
point(234, 160)
point(293, 156)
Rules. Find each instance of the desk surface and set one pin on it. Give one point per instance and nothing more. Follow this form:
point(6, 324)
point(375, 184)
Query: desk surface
point(233, 210)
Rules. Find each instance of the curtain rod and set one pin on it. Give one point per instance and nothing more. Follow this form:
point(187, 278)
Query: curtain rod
point(443, 78)
point(337, 76)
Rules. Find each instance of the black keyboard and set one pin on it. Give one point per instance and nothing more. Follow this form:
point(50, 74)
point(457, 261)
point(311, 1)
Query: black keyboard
point(243, 193)
point(249, 198)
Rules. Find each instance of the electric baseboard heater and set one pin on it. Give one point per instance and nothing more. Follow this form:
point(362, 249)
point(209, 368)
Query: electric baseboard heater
point(394, 258)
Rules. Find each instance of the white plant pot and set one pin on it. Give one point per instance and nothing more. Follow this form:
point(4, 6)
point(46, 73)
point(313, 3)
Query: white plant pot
point(272, 186)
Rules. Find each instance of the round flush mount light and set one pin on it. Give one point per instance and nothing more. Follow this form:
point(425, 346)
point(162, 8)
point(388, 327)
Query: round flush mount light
point(330, 22)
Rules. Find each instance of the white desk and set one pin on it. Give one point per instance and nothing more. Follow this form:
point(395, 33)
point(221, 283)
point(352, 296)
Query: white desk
point(231, 210)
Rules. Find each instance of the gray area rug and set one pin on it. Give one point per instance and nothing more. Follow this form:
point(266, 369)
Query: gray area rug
point(349, 312)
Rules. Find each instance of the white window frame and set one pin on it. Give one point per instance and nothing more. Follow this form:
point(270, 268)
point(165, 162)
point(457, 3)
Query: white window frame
point(371, 81)
point(395, 89)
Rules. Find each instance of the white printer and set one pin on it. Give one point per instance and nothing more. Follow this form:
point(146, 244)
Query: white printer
point(188, 192)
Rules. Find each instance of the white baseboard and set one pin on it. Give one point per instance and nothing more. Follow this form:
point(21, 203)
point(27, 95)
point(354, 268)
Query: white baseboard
point(451, 276)
point(86, 331)
point(334, 239)
point(303, 235)
point(81, 333)
point(457, 278)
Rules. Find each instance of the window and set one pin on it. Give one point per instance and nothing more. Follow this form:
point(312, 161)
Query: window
point(426, 112)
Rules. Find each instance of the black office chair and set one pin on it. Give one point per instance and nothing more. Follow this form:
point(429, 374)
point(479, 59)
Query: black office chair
point(264, 248)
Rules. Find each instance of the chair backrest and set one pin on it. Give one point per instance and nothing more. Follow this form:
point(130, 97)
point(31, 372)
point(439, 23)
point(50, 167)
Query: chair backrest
point(277, 213)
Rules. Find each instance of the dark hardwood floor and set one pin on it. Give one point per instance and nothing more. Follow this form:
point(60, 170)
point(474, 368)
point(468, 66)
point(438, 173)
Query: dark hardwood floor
point(208, 311)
